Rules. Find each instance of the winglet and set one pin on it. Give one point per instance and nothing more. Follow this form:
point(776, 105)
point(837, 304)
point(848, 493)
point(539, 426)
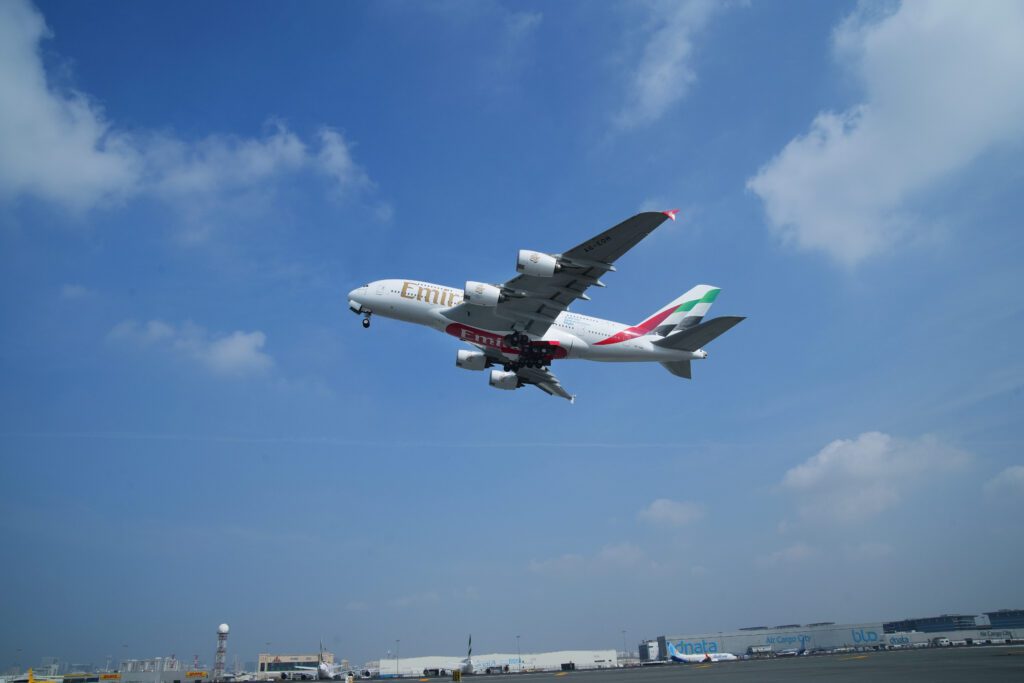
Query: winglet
point(671, 214)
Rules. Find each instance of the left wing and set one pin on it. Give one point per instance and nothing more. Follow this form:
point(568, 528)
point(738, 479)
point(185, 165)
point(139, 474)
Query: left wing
point(530, 303)
point(543, 379)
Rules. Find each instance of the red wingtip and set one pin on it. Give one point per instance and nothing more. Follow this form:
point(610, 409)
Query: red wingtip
point(671, 214)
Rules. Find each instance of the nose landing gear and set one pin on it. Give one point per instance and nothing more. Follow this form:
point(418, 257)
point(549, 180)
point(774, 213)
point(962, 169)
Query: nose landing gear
point(366, 320)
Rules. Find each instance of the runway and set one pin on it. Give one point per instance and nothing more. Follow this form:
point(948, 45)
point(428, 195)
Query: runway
point(936, 665)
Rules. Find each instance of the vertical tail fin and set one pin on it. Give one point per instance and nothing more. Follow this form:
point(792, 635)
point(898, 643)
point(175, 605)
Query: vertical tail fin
point(688, 310)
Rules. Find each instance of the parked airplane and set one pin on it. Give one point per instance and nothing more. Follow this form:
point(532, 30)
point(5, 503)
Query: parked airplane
point(678, 656)
point(466, 665)
point(324, 671)
point(524, 324)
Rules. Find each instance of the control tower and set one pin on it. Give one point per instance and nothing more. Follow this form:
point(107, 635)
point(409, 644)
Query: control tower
point(219, 661)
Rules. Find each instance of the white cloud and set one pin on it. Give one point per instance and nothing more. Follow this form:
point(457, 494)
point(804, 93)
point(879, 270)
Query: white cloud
point(70, 292)
point(611, 557)
point(415, 600)
point(798, 552)
point(942, 86)
point(868, 550)
point(220, 163)
point(568, 563)
point(336, 160)
point(1007, 484)
point(671, 512)
point(56, 146)
point(59, 147)
point(238, 354)
point(665, 71)
point(851, 480)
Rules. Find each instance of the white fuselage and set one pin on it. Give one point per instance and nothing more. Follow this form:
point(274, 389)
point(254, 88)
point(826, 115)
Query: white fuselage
point(578, 336)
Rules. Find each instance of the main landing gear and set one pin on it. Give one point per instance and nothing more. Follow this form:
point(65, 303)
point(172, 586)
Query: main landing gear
point(531, 355)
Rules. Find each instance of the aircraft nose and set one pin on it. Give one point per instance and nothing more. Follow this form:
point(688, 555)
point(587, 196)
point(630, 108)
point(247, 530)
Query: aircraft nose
point(356, 299)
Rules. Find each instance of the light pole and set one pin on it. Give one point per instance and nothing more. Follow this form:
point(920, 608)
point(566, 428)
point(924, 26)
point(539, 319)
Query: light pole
point(624, 650)
point(519, 655)
point(398, 656)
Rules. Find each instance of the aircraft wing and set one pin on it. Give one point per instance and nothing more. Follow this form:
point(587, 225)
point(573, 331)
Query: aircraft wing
point(545, 381)
point(542, 378)
point(531, 303)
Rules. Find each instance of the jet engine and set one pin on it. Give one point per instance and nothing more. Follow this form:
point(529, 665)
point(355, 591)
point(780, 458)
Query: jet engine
point(504, 380)
point(536, 263)
point(471, 360)
point(481, 294)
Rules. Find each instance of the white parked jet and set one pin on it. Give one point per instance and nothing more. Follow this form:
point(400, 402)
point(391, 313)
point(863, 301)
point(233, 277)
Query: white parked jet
point(322, 671)
point(524, 324)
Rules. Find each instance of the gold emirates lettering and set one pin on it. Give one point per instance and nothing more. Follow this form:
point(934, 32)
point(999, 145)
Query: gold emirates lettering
point(443, 297)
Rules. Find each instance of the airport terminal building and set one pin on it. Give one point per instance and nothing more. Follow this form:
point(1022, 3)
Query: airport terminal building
point(829, 636)
point(768, 640)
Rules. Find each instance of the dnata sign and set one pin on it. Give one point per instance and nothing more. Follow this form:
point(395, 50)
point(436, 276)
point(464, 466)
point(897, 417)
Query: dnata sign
point(899, 640)
point(862, 636)
point(701, 648)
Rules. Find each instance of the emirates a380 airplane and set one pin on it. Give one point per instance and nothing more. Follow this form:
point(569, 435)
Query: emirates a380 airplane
point(523, 325)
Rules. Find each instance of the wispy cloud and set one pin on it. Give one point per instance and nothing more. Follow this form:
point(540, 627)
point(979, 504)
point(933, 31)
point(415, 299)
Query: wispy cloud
point(664, 74)
point(415, 600)
point(1007, 484)
point(793, 554)
point(854, 479)
point(671, 512)
point(942, 86)
point(61, 148)
point(75, 292)
point(238, 354)
point(611, 557)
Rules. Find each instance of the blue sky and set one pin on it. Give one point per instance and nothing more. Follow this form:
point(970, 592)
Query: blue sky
point(194, 428)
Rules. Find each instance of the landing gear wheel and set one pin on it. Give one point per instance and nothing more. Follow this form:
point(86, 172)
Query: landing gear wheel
point(366, 321)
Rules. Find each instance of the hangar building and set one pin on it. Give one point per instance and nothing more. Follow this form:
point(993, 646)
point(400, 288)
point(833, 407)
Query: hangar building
point(768, 640)
point(542, 661)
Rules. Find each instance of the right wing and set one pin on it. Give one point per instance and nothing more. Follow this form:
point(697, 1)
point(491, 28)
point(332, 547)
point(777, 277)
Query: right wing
point(531, 303)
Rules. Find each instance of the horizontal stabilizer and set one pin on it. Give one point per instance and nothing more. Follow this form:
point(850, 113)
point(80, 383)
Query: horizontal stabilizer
point(699, 335)
point(679, 368)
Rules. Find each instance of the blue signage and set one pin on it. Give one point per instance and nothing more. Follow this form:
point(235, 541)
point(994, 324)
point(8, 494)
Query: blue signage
point(862, 636)
point(799, 640)
point(703, 647)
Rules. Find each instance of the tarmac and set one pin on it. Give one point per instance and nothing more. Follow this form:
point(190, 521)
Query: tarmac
point(936, 665)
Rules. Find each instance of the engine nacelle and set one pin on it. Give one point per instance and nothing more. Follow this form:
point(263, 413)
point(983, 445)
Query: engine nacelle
point(471, 360)
point(504, 380)
point(481, 294)
point(536, 263)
